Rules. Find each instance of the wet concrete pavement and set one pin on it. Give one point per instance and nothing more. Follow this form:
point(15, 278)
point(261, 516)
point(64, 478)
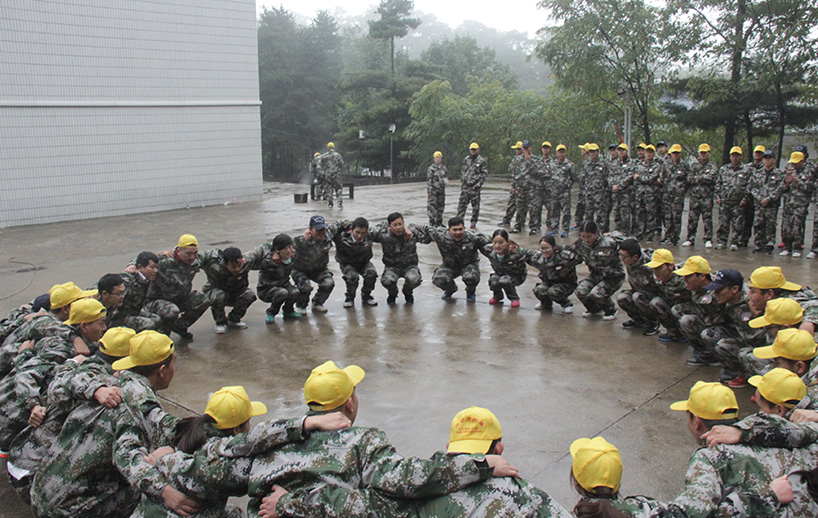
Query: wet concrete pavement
point(549, 378)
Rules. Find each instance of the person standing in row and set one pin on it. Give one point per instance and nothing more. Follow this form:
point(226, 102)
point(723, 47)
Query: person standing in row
point(472, 176)
point(701, 184)
point(436, 181)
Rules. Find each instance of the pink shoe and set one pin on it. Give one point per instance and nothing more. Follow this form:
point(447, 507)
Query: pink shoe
point(493, 301)
point(515, 303)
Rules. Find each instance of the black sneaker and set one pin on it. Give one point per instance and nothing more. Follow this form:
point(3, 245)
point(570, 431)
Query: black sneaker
point(757, 250)
point(630, 324)
point(651, 330)
point(183, 333)
point(409, 297)
point(533, 231)
point(700, 359)
point(390, 299)
point(667, 337)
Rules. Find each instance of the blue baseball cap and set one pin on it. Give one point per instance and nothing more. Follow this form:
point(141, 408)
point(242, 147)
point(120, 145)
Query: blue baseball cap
point(526, 143)
point(317, 222)
point(728, 277)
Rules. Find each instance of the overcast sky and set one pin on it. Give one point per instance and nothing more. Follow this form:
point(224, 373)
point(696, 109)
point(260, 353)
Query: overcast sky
point(521, 15)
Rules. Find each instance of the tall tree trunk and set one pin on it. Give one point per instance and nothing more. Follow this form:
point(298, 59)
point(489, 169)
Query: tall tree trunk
point(735, 78)
point(782, 119)
point(392, 52)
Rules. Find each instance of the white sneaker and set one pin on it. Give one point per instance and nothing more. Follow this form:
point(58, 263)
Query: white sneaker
point(587, 314)
point(318, 308)
point(611, 316)
point(220, 330)
point(796, 254)
point(733, 248)
point(301, 309)
point(708, 244)
point(347, 304)
point(811, 255)
point(567, 310)
point(538, 306)
point(784, 253)
point(719, 246)
point(237, 325)
point(371, 302)
point(687, 243)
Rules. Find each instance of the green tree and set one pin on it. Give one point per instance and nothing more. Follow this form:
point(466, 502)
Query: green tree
point(461, 61)
point(394, 23)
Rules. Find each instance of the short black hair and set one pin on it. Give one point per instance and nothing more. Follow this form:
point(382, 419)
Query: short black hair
point(392, 217)
point(282, 241)
point(147, 370)
point(109, 281)
point(231, 254)
point(588, 226)
point(360, 223)
point(631, 246)
point(456, 220)
point(145, 258)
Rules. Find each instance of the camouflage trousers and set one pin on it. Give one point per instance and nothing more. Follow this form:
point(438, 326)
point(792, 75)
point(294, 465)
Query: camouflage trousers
point(749, 221)
point(352, 273)
point(505, 283)
point(522, 198)
point(444, 277)
point(548, 293)
point(672, 210)
point(622, 208)
point(435, 203)
point(560, 205)
point(141, 322)
point(14, 412)
point(391, 275)
point(793, 226)
point(239, 301)
point(511, 207)
point(815, 229)
point(764, 226)
point(278, 296)
point(663, 312)
point(646, 217)
point(752, 364)
point(180, 314)
point(467, 197)
point(637, 305)
point(333, 187)
point(691, 324)
point(725, 344)
point(596, 294)
point(700, 207)
point(597, 208)
point(731, 215)
point(535, 206)
point(659, 209)
point(579, 213)
point(303, 281)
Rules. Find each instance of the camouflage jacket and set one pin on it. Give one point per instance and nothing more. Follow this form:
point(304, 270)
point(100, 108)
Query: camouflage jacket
point(219, 277)
point(738, 316)
point(435, 176)
point(648, 176)
point(622, 175)
point(78, 477)
point(733, 182)
point(707, 307)
point(563, 175)
point(559, 268)
point(271, 273)
point(602, 258)
point(515, 171)
point(174, 280)
point(332, 164)
point(349, 251)
point(513, 264)
point(136, 293)
point(399, 252)
point(37, 328)
point(14, 320)
point(312, 256)
point(640, 276)
point(542, 170)
point(533, 174)
point(702, 179)
point(674, 290)
point(675, 177)
point(457, 254)
point(798, 187)
point(595, 176)
point(473, 173)
point(767, 184)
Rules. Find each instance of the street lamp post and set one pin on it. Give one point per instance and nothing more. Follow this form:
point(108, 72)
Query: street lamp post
point(391, 165)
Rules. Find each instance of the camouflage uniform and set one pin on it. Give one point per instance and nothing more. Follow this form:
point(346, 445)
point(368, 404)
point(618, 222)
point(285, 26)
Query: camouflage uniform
point(132, 313)
point(767, 185)
point(702, 185)
point(274, 284)
point(509, 271)
point(582, 194)
point(798, 188)
point(332, 165)
point(355, 260)
point(644, 288)
point(530, 194)
point(400, 257)
point(472, 176)
point(622, 201)
point(606, 274)
point(41, 326)
point(311, 264)
point(673, 294)
point(515, 173)
point(78, 477)
point(558, 277)
point(436, 191)
point(172, 297)
point(14, 320)
point(647, 178)
point(540, 171)
point(733, 334)
point(562, 178)
point(732, 190)
point(460, 259)
point(318, 178)
point(694, 317)
point(596, 193)
point(225, 289)
point(674, 185)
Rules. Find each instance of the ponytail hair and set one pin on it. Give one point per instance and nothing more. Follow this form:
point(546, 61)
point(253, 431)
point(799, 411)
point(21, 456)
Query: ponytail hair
point(588, 226)
point(500, 232)
point(191, 433)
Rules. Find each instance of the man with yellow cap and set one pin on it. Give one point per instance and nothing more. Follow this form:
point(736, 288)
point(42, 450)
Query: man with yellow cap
point(794, 350)
point(702, 310)
point(515, 174)
point(23, 390)
point(643, 288)
point(766, 188)
point(647, 179)
point(622, 191)
point(674, 184)
point(732, 195)
point(701, 187)
point(97, 464)
point(597, 194)
point(768, 283)
point(799, 188)
point(472, 175)
point(436, 181)
point(318, 178)
point(563, 177)
point(332, 165)
point(781, 314)
point(673, 292)
point(172, 296)
point(540, 172)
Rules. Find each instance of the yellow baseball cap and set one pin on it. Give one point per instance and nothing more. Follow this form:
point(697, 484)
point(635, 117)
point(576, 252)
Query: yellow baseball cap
point(187, 241)
point(781, 312)
point(518, 145)
point(561, 146)
point(593, 146)
point(596, 463)
point(769, 278)
point(622, 146)
point(546, 144)
point(584, 147)
point(704, 148)
point(712, 401)
point(331, 145)
point(474, 145)
point(147, 348)
point(780, 387)
point(759, 149)
point(694, 264)
point(117, 341)
point(796, 157)
point(791, 344)
point(642, 145)
point(437, 154)
point(231, 407)
point(675, 148)
point(473, 431)
point(61, 295)
point(660, 257)
point(83, 311)
point(651, 147)
point(315, 155)
point(329, 386)
point(736, 150)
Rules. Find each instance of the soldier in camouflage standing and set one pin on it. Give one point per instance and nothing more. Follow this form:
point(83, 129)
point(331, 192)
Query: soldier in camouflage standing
point(227, 285)
point(674, 185)
point(647, 179)
point(472, 176)
point(436, 181)
point(514, 172)
point(579, 215)
point(766, 187)
point(275, 262)
point(527, 192)
point(458, 249)
point(311, 264)
point(353, 251)
point(562, 179)
point(732, 196)
point(701, 186)
point(750, 209)
point(332, 165)
point(622, 191)
point(546, 177)
point(799, 186)
point(595, 172)
point(812, 169)
point(318, 179)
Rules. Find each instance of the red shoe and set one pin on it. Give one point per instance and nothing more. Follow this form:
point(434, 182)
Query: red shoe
point(781, 245)
point(515, 303)
point(737, 383)
point(493, 301)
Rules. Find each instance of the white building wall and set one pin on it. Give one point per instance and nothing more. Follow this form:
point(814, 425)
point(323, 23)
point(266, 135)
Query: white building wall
point(111, 108)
